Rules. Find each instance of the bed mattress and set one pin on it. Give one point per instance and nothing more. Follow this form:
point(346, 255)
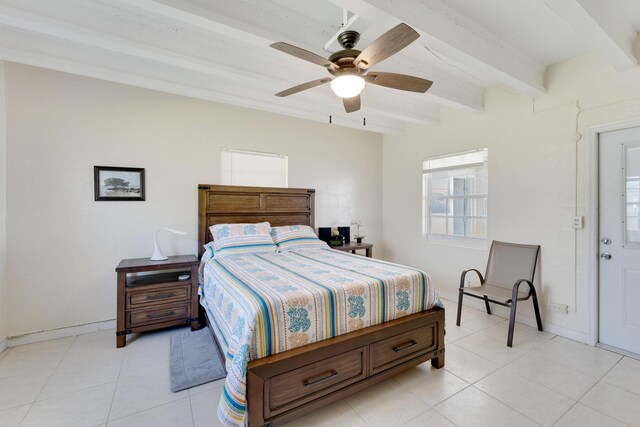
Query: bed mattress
point(261, 304)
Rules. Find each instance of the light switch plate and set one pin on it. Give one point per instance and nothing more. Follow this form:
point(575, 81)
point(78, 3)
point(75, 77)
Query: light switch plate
point(578, 222)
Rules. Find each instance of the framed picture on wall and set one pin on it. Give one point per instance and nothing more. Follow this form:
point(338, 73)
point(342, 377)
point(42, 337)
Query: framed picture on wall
point(118, 184)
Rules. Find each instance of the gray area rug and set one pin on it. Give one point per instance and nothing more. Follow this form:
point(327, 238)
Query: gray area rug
point(194, 360)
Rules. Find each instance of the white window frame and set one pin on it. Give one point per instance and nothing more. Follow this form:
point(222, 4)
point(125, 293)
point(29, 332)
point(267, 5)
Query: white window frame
point(478, 158)
point(626, 217)
point(227, 176)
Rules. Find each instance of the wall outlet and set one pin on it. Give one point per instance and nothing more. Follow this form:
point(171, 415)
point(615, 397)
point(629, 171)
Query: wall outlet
point(560, 308)
point(578, 222)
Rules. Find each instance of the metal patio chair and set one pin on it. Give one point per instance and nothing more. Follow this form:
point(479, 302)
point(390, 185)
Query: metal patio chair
point(509, 266)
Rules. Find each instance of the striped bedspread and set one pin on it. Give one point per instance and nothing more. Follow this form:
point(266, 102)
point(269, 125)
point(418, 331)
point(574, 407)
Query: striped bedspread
point(261, 304)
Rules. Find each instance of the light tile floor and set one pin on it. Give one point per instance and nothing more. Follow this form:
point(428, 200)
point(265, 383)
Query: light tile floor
point(543, 380)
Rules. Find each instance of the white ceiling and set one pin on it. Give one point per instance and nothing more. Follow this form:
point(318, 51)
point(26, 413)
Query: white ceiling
point(219, 50)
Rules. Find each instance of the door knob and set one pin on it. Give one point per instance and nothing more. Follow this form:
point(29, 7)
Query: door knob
point(605, 255)
point(605, 241)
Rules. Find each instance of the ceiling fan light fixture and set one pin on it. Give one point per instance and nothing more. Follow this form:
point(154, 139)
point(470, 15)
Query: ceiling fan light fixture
point(347, 85)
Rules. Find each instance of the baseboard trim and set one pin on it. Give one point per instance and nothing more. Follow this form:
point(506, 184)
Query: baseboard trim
point(562, 331)
point(60, 333)
point(3, 345)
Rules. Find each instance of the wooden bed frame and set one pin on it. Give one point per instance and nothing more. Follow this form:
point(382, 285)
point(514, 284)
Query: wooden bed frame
point(287, 385)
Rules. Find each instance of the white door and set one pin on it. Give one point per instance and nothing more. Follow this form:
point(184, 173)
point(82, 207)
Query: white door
point(620, 239)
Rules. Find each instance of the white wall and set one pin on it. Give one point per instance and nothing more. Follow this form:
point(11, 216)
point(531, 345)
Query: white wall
point(63, 246)
point(537, 180)
point(4, 330)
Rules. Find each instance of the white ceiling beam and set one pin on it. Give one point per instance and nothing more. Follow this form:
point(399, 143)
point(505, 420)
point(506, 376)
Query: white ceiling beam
point(374, 124)
point(610, 36)
point(44, 25)
point(455, 36)
point(240, 19)
point(42, 51)
point(258, 82)
point(253, 21)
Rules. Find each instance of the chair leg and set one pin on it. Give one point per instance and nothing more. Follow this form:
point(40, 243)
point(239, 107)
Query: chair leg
point(460, 294)
point(536, 308)
point(486, 304)
point(512, 323)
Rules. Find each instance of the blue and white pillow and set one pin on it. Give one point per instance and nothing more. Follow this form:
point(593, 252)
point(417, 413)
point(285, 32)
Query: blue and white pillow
point(229, 239)
point(295, 237)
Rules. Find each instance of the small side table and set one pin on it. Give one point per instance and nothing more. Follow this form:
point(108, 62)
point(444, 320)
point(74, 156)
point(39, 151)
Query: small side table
point(353, 247)
point(158, 298)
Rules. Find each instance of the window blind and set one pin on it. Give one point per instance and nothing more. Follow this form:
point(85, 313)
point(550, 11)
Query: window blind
point(252, 168)
point(461, 160)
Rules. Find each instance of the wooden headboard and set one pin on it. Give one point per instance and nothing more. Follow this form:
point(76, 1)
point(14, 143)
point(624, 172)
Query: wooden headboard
point(223, 204)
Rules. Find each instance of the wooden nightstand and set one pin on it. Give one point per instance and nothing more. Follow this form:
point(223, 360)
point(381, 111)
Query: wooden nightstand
point(353, 247)
point(156, 299)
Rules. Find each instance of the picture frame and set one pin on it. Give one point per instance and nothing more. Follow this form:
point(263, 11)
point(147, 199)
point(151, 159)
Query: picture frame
point(118, 184)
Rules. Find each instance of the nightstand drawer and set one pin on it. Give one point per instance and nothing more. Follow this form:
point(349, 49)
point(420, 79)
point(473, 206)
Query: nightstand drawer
point(146, 298)
point(157, 314)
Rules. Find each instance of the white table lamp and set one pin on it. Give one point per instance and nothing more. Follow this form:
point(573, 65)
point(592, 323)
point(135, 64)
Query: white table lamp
point(157, 253)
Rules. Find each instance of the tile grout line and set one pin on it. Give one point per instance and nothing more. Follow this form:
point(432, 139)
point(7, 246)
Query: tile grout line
point(508, 363)
point(540, 385)
point(473, 384)
point(188, 396)
point(47, 381)
point(581, 396)
point(517, 358)
point(411, 391)
point(193, 418)
point(430, 407)
point(560, 392)
point(115, 388)
point(147, 409)
point(544, 386)
point(357, 413)
point(454, 394)
point(365, 421)
point(507, 405)
point(613, 385)
point(591, 388)
point(433, 409)
point(495, 370)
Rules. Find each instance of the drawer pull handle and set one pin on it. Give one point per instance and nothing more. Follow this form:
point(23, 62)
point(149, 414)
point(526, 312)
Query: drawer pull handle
point(160, 296)
point(320, 378)
point(405, 346)
point(160, 315)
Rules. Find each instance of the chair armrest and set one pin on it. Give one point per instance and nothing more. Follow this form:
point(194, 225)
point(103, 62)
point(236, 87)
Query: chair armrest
point(464, 274)
point(516, 286)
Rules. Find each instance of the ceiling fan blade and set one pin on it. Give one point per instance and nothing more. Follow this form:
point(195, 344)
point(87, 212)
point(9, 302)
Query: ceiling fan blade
point(303, 86)
point(303, 54)
point(351, 104)
point(398, 81)
point(386, 45)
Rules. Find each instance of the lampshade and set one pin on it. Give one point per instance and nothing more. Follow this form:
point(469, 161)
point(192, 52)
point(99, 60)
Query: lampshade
point(347, 85)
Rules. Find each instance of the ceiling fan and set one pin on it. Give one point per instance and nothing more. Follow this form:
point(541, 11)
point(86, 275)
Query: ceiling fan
point(349, 67)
